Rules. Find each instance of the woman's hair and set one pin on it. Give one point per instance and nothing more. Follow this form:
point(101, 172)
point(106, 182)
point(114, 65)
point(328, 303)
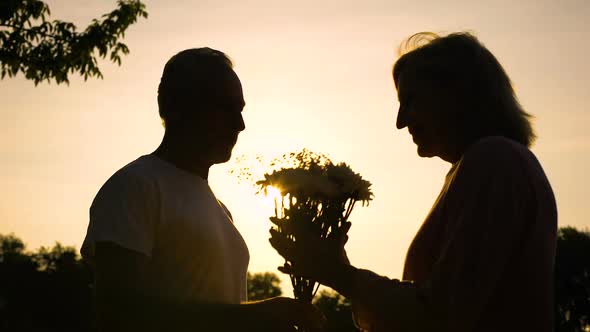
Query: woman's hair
point(187, 76)
point(460, 61)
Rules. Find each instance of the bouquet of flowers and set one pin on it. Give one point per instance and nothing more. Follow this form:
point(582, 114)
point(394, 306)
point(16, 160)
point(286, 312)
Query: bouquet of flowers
point(315, 194)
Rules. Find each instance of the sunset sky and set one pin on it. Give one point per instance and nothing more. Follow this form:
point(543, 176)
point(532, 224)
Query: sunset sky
point(316, 74)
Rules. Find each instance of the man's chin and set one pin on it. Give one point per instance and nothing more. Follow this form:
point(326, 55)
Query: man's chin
point(424, 152)
point(222, 157)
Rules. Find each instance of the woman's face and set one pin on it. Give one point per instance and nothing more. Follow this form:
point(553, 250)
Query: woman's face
point(430, 111)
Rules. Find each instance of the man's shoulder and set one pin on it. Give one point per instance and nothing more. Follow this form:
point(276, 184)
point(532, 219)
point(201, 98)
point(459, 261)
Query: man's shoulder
point(138, 174)
point(142, 169)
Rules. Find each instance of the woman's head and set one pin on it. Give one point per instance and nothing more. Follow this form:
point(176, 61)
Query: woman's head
point(452, 92)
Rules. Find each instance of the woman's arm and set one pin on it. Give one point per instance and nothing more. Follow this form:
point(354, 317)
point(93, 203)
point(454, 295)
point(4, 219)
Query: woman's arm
point(378, 302)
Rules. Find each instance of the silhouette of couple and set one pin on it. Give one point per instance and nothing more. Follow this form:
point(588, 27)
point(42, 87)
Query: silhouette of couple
point(167, 257)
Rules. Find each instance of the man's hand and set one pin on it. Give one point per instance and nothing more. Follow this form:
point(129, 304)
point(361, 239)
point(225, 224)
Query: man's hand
point(285, 314)
point(309, 255)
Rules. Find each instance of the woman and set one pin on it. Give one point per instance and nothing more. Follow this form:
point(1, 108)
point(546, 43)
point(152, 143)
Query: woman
point(483, 258)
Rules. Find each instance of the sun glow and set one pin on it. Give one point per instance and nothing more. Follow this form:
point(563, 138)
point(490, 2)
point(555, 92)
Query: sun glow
point(271, 195)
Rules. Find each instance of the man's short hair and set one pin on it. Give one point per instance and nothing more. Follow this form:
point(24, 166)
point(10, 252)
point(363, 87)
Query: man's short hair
point(186, 78)
point(459, 59)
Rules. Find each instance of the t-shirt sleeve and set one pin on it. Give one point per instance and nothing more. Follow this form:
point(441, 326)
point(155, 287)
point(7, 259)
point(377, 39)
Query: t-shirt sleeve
point(487, 207)
point(126, 212)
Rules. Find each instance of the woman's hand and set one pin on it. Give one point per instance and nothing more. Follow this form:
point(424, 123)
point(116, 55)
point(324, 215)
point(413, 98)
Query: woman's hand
point(283, 314)
point(309, 255)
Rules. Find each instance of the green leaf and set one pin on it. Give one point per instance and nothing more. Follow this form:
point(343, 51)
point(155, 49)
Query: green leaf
point(49, 51)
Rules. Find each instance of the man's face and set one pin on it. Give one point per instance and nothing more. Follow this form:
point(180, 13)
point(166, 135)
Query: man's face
point(213, 123)
point(429, 112)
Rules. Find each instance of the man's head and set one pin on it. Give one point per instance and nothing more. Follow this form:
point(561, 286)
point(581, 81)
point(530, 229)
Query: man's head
point(200, 102)
point(452, 92)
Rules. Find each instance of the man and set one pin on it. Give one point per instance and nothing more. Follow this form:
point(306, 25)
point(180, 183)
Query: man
point(166, 254)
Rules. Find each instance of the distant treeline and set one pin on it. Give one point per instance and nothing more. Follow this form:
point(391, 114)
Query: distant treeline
point(51, 289)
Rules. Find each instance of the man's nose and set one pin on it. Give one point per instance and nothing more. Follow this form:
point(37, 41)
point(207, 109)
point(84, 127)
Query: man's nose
point(241, 124)
point(402, 119)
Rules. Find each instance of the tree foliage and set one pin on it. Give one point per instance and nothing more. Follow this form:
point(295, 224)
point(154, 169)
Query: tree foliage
point(263, 286)
point(572, 280)
point(46, 290)
point(45, 50)
point(338, 311)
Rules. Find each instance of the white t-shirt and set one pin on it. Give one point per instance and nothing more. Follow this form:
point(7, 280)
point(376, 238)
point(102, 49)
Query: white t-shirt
point(171, 216)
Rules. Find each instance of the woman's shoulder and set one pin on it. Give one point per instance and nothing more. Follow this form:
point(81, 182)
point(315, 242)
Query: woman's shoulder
point(496, 157)
point(497, 145)
point(498, 151)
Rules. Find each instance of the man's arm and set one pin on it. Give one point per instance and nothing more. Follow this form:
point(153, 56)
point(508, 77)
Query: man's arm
point(123, 306)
